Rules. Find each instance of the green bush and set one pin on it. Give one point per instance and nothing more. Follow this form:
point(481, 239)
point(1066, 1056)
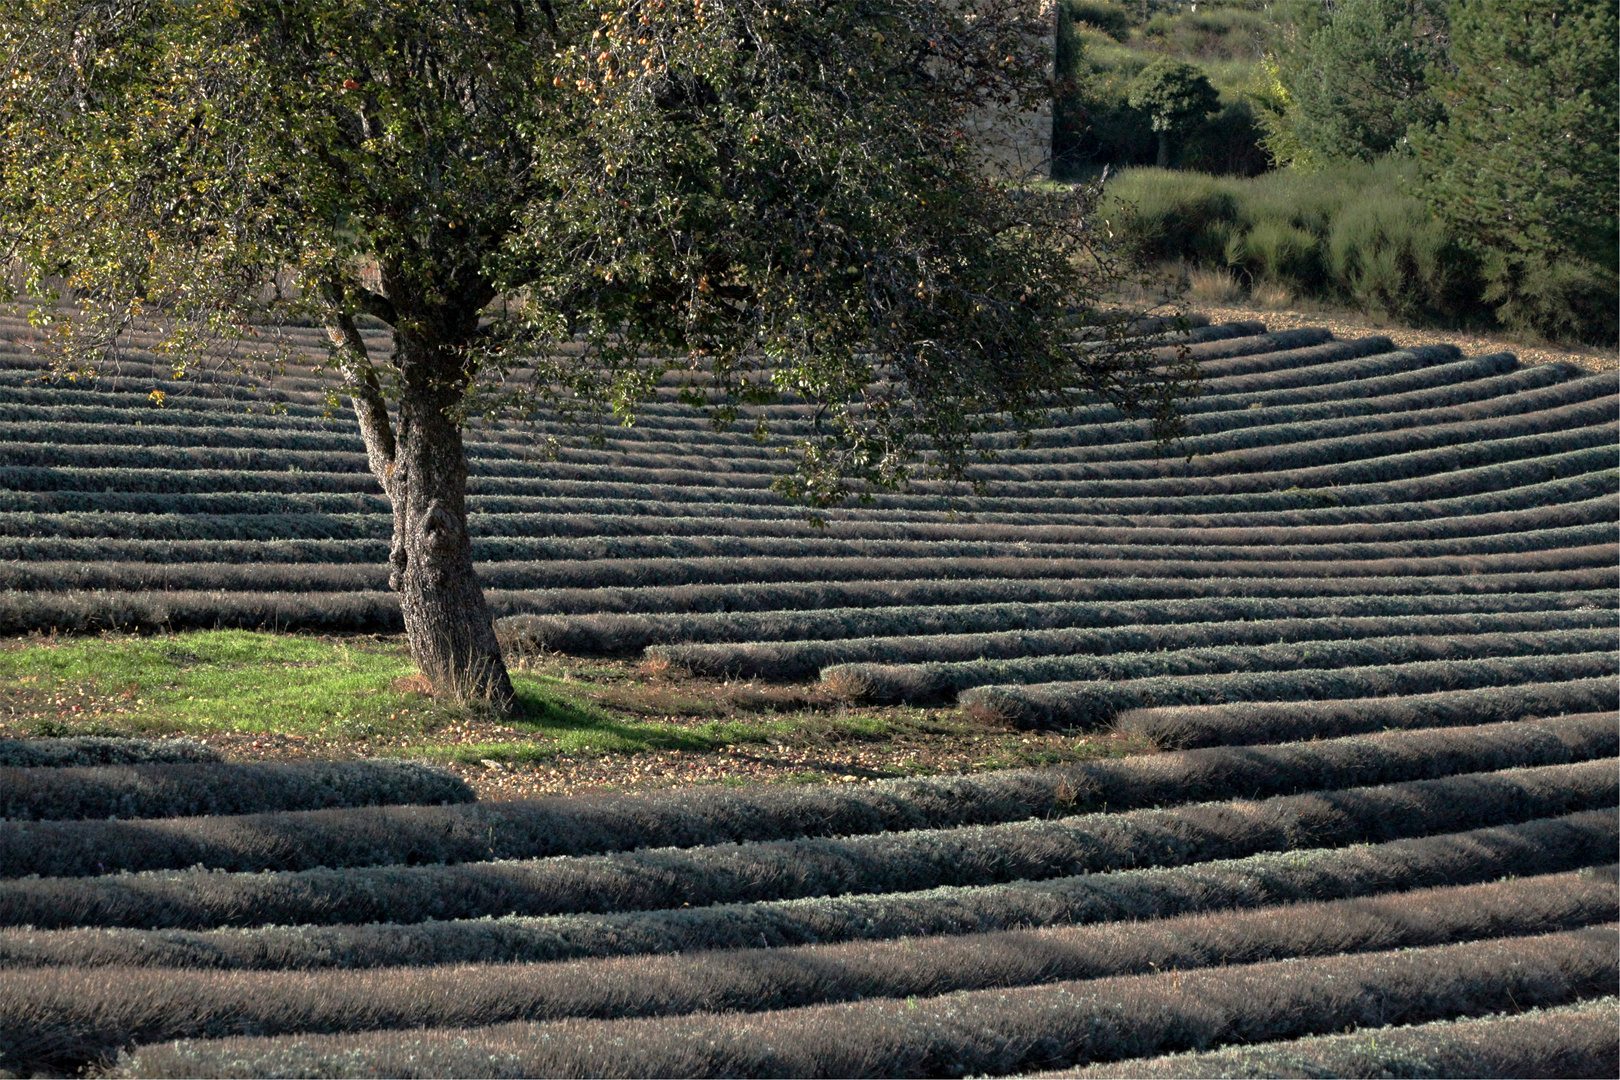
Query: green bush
point(1277, 251)
point(1391, 255)
point(1568, 299)
point(1351, 233)
point(1176, 215)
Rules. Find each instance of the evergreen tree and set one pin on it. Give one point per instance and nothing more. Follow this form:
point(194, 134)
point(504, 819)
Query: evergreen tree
point(1361, 80)
point(1525, 165)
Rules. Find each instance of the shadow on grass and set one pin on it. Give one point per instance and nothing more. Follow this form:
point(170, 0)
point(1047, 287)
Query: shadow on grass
point(564, 725)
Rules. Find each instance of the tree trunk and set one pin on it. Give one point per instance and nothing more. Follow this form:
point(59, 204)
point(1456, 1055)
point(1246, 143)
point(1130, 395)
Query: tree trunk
point(422, 466)
point(1164, 149)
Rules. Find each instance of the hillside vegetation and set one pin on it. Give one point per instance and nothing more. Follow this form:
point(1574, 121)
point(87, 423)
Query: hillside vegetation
point(1431, 163)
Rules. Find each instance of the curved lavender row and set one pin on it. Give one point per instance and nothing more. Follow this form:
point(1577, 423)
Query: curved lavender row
point(526, 829)
point(1566, 549)
point(664, 878)
point(1135, 626)
point(1252, 722)
point(142, 790)
point(60, 1019)
point(1228, 648)
point(1096, 703)
point(1569, 1040)
point(1543, 846)
point(983, 1032)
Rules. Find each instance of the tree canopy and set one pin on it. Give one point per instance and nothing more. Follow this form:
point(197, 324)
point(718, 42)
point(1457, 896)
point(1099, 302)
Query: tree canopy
point(1176, 96)
point(772, 200)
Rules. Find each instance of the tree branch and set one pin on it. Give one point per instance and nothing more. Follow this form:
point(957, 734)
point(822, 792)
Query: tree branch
point(365, 392)
point(374, 304)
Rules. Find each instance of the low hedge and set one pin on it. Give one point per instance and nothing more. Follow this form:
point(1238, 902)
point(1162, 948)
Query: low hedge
point(1447, 380)
point(94, 611)
point(578, 826)
point(1312, 429)
point(1138, 626)
point(240, 502)
point(1534, 528)
point(1599, 573)
point(1571, 1040)
point(81, 750)
point(1212, 649)
point(1587, 468)
point(626, 572)
point(527, 829)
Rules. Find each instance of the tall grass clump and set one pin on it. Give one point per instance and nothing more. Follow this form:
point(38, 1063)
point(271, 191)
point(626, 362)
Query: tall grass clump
point(1350, 233)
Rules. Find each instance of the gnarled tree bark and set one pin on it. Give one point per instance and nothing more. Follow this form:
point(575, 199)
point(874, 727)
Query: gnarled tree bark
point(422, 467)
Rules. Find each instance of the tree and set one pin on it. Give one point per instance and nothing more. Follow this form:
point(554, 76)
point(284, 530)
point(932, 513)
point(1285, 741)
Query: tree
point(1176, 96)
point(1361, 80)
point(768, 200)
point(1525, 165)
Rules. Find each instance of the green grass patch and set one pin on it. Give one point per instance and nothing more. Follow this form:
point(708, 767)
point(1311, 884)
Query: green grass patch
point(360, 690)
point(209, 681)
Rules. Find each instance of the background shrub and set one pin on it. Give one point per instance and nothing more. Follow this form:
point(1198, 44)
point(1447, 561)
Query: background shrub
point(1352, 233)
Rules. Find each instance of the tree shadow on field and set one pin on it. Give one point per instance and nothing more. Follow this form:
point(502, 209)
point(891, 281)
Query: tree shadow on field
point(582, 725)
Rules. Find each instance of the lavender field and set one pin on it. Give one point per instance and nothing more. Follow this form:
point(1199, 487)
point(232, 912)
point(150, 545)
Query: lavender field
point(1368, 611)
